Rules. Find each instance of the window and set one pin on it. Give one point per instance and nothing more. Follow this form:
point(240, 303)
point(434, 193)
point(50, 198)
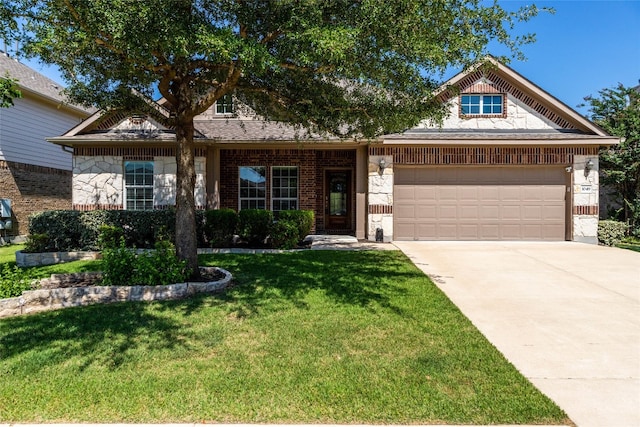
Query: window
point(284, 188)
point(253, 187)
point(471, 105)
point(224, 105)
point(138, 179)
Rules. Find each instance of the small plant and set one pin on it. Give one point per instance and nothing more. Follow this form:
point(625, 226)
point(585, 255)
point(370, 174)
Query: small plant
point(284, 235)
point(160, 266)
point(121, 266)
point(220, 226)
point(254, 225)
point(109, 237)
point(118, 265)
point(610, 233)
point(303, 220)
point(38, 242)
point(13, 281)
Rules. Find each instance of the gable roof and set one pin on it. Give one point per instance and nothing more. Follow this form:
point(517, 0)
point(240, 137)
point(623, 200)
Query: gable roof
point(31, 81)
point(510, 81)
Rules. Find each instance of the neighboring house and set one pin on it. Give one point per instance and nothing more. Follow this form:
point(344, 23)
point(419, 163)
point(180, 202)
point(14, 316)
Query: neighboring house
point(34, 175)
point(510, 163)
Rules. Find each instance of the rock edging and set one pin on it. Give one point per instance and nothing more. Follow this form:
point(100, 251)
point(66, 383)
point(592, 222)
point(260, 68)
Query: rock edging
point(24, 259)
point(53, 299)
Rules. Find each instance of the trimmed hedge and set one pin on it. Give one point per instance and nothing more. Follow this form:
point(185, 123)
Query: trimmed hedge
point(303, 221)
point(254, 226)
point(220, 226)
point(68, 230)
point(610, 233)
point(53, 231)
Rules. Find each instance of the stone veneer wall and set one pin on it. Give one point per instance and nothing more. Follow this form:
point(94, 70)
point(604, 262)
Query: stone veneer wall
point(380, 211)
point(586, 199)
point(33, 189)
point(98, 180)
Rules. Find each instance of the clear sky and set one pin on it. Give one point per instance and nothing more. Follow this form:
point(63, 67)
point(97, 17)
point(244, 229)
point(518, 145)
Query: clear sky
point(586, 46)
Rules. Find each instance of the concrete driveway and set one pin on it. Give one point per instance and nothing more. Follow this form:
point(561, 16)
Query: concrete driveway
point(566, 314)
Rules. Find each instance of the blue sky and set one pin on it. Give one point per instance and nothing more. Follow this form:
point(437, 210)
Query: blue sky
point(586, 46)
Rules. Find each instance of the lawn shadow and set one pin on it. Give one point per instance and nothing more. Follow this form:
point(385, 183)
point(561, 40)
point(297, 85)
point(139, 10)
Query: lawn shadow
point(366, 279)
point(101, 335)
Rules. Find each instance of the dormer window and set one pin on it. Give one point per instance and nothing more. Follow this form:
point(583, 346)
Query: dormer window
point(224, 105)
point(482, 105)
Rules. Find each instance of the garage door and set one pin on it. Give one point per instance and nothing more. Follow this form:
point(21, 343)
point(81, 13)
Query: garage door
point(479, 203)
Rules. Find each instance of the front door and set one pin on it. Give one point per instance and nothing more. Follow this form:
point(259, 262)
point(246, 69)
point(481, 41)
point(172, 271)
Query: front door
point(337, 200)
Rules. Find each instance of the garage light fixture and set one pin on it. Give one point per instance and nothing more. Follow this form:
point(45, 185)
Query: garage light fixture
point(382, 164)
point(588, 166)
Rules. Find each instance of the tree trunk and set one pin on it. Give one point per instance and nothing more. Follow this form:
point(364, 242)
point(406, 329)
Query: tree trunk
point(186, 239)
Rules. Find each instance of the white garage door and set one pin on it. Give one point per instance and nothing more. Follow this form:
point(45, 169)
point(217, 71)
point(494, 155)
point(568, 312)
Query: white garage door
point(479, 203)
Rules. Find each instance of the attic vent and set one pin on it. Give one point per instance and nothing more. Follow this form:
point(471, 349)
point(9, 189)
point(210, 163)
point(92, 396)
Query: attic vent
point(138, 119)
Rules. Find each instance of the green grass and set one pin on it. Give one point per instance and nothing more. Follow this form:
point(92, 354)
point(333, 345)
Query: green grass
point(304, 337)
point(8, 253)
point(631, 244)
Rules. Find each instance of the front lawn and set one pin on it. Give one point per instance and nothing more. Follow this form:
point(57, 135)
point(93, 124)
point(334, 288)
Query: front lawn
point(303, 337)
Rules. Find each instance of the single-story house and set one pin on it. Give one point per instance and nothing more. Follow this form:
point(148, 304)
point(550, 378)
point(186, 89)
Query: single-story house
point(511, 162)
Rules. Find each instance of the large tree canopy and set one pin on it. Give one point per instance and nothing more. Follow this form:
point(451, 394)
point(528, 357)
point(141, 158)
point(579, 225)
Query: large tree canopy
point(348, 68)
point(8, 91)
point(617, 110)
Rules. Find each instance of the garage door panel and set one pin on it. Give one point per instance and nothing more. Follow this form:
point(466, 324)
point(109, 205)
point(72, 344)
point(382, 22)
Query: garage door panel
point(510, 193)
point(472, 203)
point(510, 212)
point(446, 192)
point(553, 213)
point(426, 212)
point(468, 213)
point(404, 193)
point(424, 193)
point(489, 212)
point(468, 193)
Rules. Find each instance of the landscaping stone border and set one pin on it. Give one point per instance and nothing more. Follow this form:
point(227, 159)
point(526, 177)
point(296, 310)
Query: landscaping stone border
point(53, 299)
point(24, 259)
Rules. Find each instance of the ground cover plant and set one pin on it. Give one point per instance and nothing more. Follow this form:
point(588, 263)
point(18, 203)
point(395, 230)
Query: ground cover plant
point(312, 336)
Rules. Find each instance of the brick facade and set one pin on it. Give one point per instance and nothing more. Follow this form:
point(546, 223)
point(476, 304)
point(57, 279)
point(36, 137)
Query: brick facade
point(33, 189)
point(311, 171)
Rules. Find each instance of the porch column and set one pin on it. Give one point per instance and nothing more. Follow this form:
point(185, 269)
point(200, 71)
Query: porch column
point(361, 192)
point(213, 178)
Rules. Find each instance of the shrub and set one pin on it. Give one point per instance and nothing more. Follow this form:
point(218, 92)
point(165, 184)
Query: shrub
point(64, 229)
point(254, 225)
point(13, 281)
point(109, 237)
point(121, 266)
point(284, 234)
point(37, 243)
point(118, 265)
point(220, 226)
point(303, 220)
point(611, 232)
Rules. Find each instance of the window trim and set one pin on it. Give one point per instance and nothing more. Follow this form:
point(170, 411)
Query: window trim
point(273, 198)
point(240, 198)
point(126, 186)
point(463, 115)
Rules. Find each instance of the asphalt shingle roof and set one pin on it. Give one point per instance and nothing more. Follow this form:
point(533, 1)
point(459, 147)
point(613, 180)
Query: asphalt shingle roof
point(31, 80)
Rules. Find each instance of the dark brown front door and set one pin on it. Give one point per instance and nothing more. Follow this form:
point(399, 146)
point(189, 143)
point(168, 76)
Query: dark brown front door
point(337, 190)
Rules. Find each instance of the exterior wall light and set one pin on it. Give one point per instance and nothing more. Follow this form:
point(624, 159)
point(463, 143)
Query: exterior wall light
point(382, 164)
point(588, 166)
